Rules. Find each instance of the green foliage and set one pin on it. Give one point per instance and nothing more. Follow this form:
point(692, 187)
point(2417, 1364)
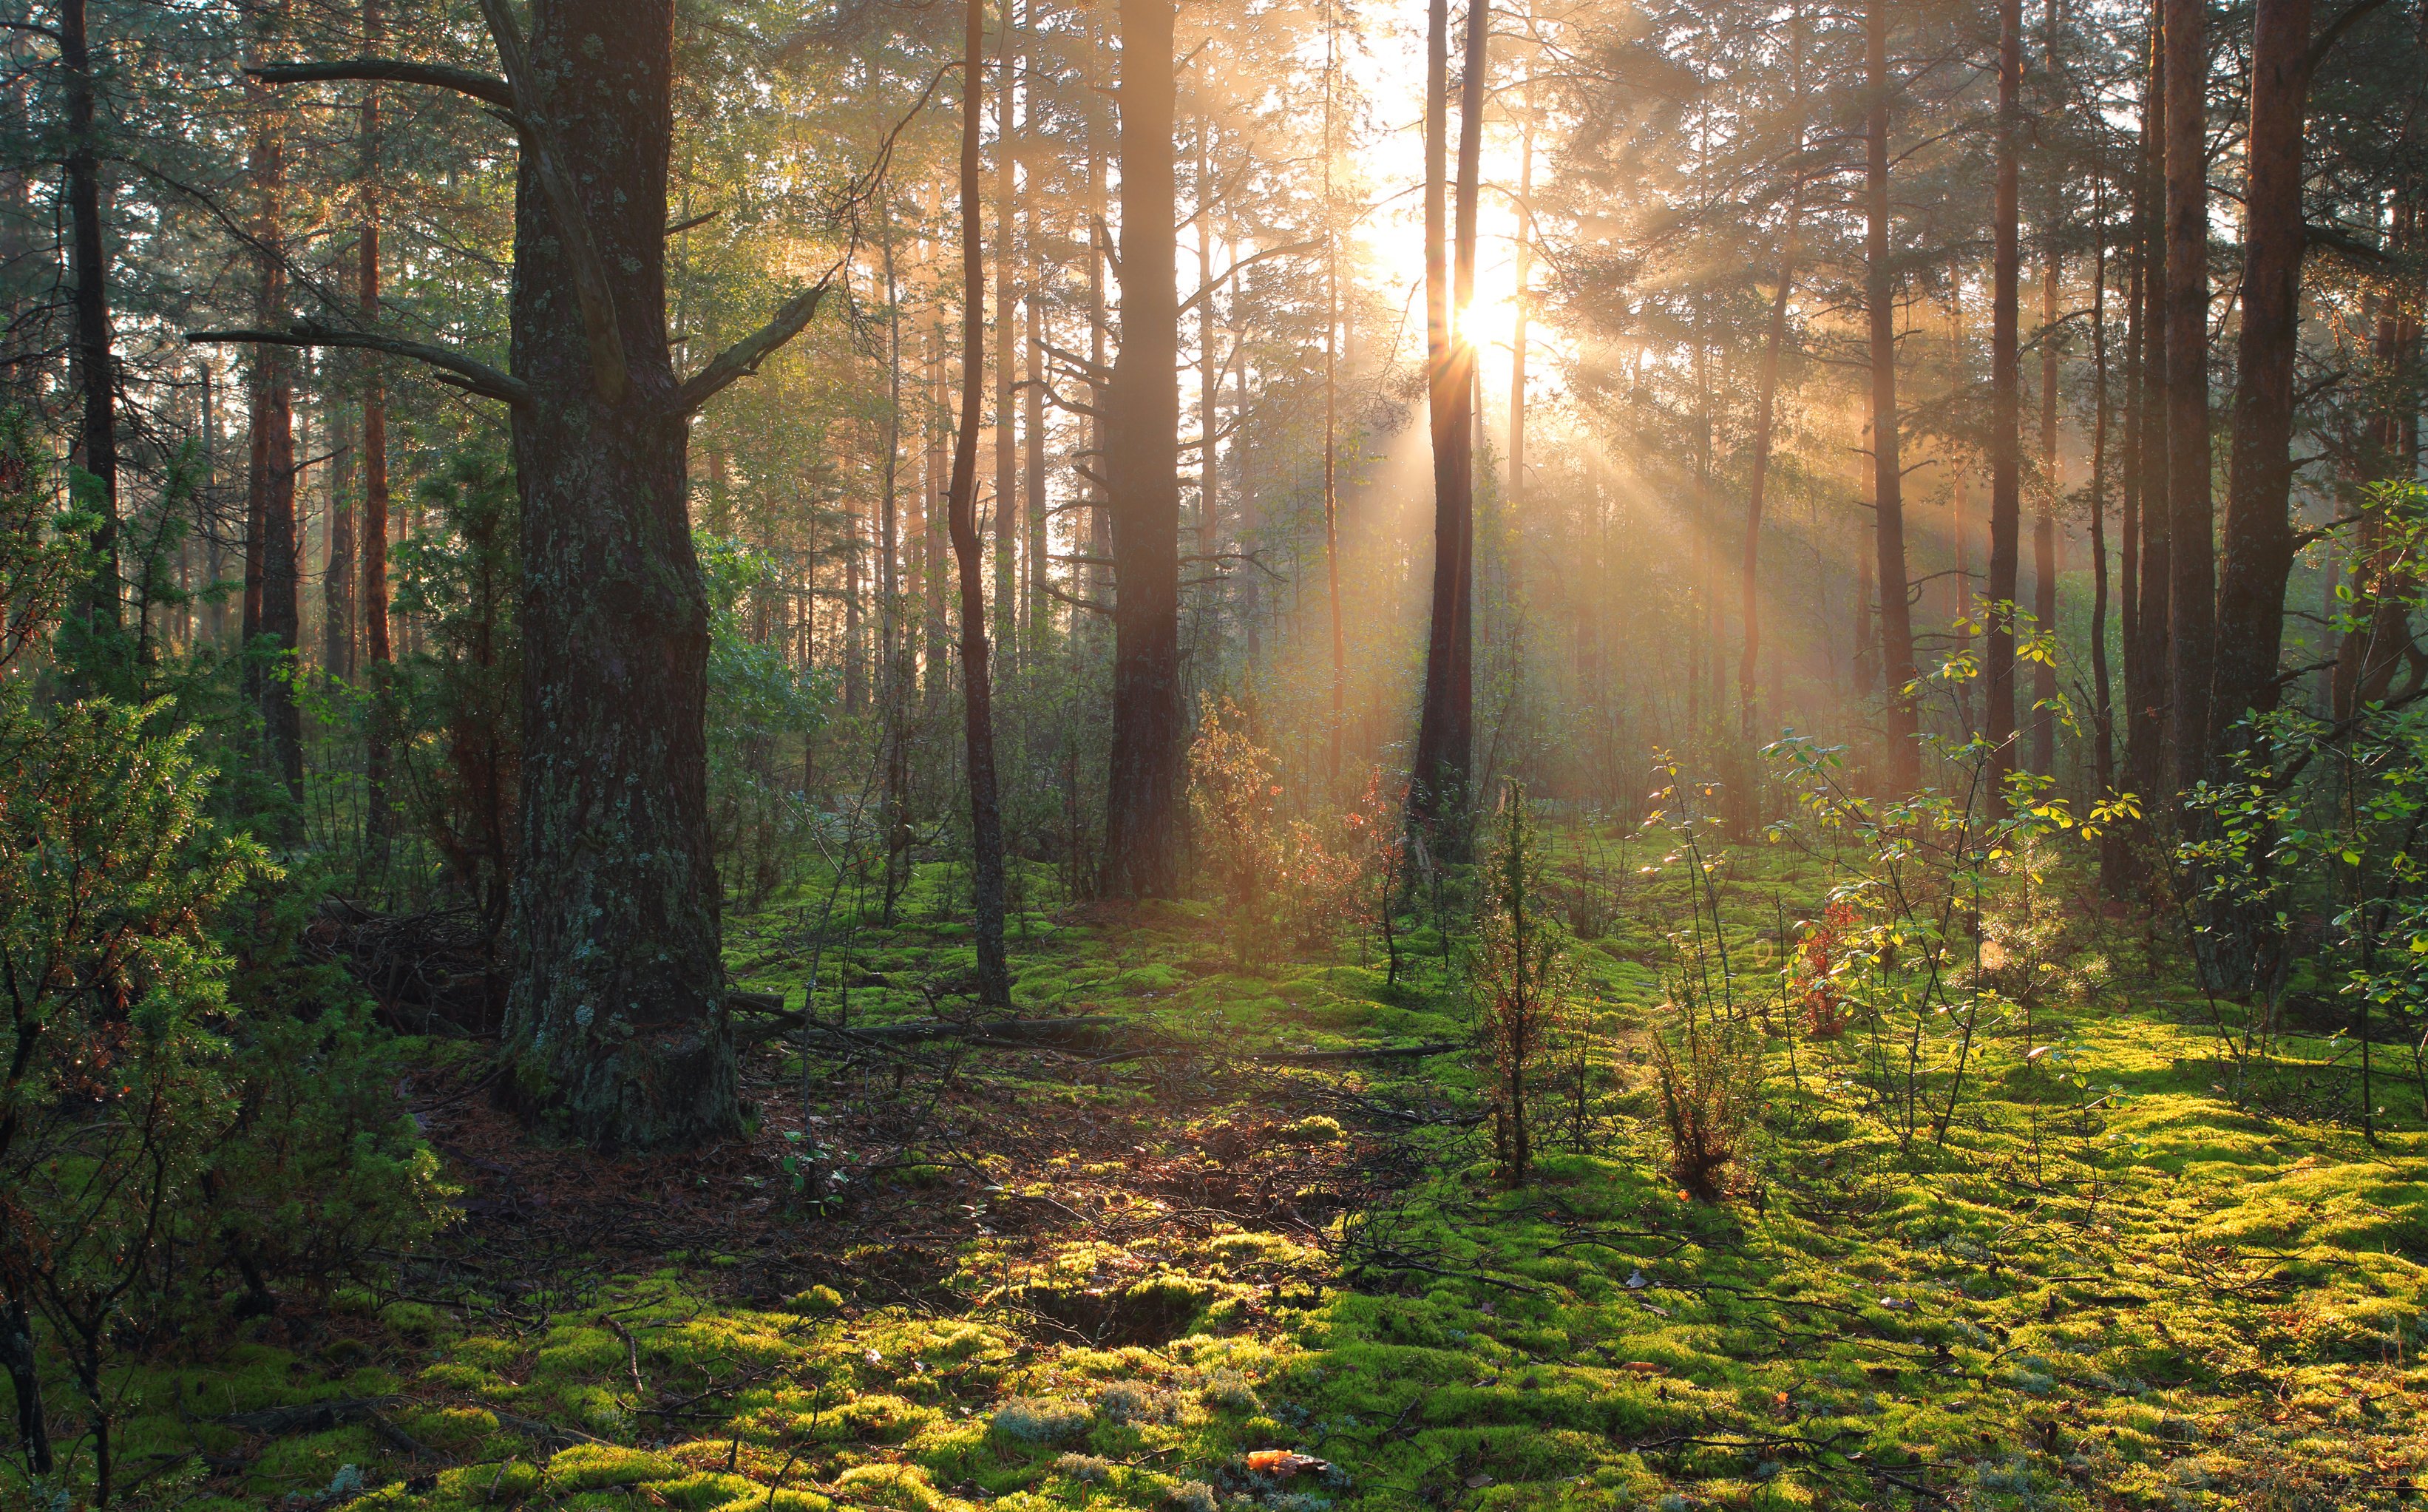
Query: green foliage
point(183, 1098)
point(462, 696)
point(758, 698)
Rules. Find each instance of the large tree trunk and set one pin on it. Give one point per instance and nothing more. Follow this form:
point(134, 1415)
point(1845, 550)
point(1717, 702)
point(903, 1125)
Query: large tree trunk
point(978, 697)
point(1142, 467)
point(2005, 414)
point(2258, 551)
point(2191, 566)
point(615, 1017)
point(97, 448)
point(1888, 480)
point(1438, 798)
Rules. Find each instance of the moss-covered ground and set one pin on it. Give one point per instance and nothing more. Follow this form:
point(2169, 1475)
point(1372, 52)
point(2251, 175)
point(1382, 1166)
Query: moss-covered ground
point(946, 1275)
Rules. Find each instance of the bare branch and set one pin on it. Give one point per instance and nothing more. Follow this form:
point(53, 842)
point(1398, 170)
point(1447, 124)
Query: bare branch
point(486, 87)
point(452, 367)
point(1228, 274)
point(743, 359)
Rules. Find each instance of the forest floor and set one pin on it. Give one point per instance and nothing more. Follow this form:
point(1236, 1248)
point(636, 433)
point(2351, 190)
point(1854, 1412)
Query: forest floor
point(943, 1274)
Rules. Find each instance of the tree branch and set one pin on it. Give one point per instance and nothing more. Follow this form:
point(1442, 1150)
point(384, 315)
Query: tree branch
point(743, 359)
point(2333, 34)
point(609, 371)
point(1228, 274)
point(452, 367)
point(486, 87)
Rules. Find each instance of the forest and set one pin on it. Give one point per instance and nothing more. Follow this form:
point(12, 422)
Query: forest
point(1213, 755)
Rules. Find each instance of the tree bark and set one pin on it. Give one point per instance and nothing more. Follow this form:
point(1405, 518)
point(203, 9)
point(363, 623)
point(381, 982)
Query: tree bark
point(1142, 467)
point(271, 599)
point(1006, 328)
point(978, 701)
point(615, 1020)
point(376, 816)
point(2192, 566)
point(2045, 536)
point(97, 448)
point(1208, 635)
point(2151, 692)
point(1750, 567)
point(1438, 798)
point(1888, 480)
point(337, 570)
point(2006, 414)
point(2258, 548)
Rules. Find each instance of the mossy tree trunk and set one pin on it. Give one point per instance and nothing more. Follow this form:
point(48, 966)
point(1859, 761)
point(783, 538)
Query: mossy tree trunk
point(615, 1015)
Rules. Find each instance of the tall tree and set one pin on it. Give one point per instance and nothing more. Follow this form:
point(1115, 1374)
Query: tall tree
point(96, 368)
point(2258, 554)
point(1888, 477)
point(2149, 686)
point(1006, 332)
point(374, 594)
point(977, 696)
point(272, 617)
point(1439, 796)
point(2191, 565)
point(2005, 411)
point(615, 1013)
point(1141, 471)
point(2043, 711)
point(1766, 410)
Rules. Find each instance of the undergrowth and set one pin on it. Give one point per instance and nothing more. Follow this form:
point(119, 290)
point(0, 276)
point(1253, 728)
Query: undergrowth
point(1031, 1280)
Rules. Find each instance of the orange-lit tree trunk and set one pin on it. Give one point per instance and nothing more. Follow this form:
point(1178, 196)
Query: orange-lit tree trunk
point(977, 700)
point(1437, 797)
point(2005, 412)
point(1141, 469)
point(2191, 588)
point(1904, 768)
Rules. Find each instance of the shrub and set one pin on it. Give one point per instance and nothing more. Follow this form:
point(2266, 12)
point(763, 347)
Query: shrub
point(1519, 976)
point(1708, 1074)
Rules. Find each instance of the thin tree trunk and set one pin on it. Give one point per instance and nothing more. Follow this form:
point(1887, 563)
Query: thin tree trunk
point(2005, 414)
point(97, 448)
point(338, 572)
point(1439, 796)
point(893, 659)
point(1007, 368)
point(2044, 569)
point(1332, 414)
point(1888, 481)
point(2192, 568)
point(272, 588)
point(986, 818)
point(2258, 549)
point(375, 501)
point(1765, 397)
point(1142, 460)
point(1037, 567)
point(2152, 693)
point(1209, 397)
point(2103, 713)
